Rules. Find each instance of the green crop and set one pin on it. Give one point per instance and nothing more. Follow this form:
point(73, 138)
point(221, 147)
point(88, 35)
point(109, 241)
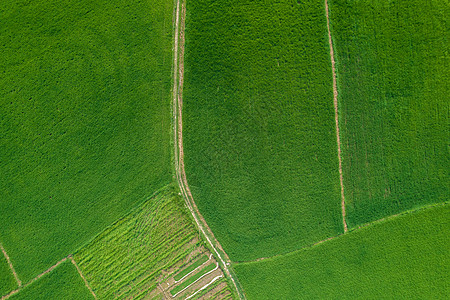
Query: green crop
point(191, 267)
point(191, 279)
point(403, 258)
point(258, 124)
point(7, 281)
point(126, 260)
point(62, 283)
point(393, 74)
point(85, 120)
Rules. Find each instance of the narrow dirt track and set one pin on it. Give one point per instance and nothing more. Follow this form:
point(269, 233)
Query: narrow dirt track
point(19, 283)
point(82, 276)
point(178, 144)
point(336, 117)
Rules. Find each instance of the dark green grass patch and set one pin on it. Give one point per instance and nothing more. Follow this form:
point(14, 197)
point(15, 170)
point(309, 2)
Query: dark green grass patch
point(403, 258)
point(84, 122)
point(62, 283)
point(393, 74)
point(125, 261)
point(258, 124)
point(193, 278)
point(7, 281)
point(191, 267)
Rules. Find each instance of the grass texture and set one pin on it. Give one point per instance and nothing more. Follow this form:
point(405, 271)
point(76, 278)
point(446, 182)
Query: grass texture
point(84, 123)
point(392, 65)
point(258, 124)
point(7, 281)
point(126, 260)
point(402, 258)
point(62, 283)
point(191, 267)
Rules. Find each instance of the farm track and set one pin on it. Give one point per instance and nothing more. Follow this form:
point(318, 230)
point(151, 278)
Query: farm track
point(19, 283)
point(178, 69)
point(336, 116)
point(431, 206)
point(82, 276)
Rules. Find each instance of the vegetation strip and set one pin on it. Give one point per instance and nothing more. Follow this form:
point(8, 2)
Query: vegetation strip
point(34, 279)
point(82, 276)
point(336, 116)
point(185, 285)
point(19, 283)
point(204, 287)
point(178, 149)
point(187, 271)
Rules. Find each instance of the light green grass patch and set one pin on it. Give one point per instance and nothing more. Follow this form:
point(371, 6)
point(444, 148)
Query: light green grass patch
point(191, 267)
point(402, 258)
point(193, 278)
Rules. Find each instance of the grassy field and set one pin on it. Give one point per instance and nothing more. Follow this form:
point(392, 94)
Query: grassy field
point(193, 278)
point(84, 123)
point(7, 281)
point(200, 261)
point(258, 124)
point(63, 283)
point(392, 66)
point(403, 258)
point(126, 260)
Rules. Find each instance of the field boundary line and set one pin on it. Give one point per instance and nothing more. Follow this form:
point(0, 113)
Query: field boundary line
point(178, 74)
point(209, 259)
point(34, 279)
point(11, 267)
point(207, 273)
point(204, 287)
point(336, 117)
point(82, 276)
point(355, 229)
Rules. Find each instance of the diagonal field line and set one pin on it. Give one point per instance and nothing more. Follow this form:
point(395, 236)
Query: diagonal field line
point(34, 279)
point(204, 287)
point(19, 283)
point(82, 276)
point(336, 117)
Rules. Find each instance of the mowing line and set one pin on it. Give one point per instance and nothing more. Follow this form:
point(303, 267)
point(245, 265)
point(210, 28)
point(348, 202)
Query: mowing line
point(34, 279)
point(19, 283)
point(82, 276)
point(336, 117)
point(178, 145)
point(217, 266)
point(204, 287)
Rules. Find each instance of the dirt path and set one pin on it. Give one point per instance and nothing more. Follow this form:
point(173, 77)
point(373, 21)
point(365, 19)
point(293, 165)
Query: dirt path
point(19, 283)
point(82, 276)
point(178, 143)
point(336, 117)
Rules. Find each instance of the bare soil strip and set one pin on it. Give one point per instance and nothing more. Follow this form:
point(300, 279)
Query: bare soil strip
point(204, 287)
point(82, 276)
point(352, 230)
point(19, 283)
point(336, 117)
point(34, 279)
point(178, 144)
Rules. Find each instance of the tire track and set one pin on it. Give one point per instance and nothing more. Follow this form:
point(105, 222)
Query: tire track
point(336, 117)
point(178, 73)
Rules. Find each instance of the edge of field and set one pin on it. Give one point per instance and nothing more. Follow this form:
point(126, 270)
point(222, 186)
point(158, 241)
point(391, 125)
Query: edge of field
point(180, 175)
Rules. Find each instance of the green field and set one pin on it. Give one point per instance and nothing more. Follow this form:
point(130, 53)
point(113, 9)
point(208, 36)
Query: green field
point(191, 268)
point(402, 258)
point(85, 120)
point(126, 260)
point(62, 283)
point(7, 281)
point(193, 278)
point(392, 66)
point(258, 124)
